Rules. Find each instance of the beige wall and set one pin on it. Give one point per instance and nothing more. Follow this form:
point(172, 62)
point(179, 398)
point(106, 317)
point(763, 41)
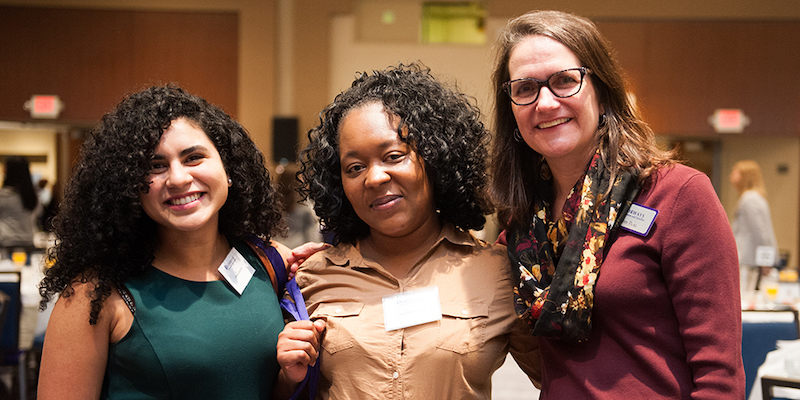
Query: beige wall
point(469, 66)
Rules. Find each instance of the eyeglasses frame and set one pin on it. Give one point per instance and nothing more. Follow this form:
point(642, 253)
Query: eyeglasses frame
point(546, 83)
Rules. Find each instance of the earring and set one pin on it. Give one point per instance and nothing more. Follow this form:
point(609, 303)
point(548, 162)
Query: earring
point(230, 182)
point(517, 135)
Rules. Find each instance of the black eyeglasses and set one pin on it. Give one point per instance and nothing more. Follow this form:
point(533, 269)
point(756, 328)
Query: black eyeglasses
point(562, 84)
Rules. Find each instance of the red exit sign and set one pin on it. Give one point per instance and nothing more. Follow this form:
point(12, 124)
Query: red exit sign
point(44, 106)
point(729, 120)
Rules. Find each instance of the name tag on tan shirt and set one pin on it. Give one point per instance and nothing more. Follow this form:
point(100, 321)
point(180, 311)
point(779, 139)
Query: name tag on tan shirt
point(414, 307)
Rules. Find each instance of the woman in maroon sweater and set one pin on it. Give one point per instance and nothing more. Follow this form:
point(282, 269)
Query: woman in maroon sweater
point(584, 190)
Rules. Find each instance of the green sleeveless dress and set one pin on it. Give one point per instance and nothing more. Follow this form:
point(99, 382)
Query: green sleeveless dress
point(197, 340)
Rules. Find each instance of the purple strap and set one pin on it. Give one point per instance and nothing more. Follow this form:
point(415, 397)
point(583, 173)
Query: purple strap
point(299, 313)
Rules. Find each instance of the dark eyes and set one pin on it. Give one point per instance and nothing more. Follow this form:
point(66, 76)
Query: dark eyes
point(526, 87)
point(563, 81)
point(160, 166)
point(193, 158)
point(391, 158)
point(354, 169)
point(157, 167)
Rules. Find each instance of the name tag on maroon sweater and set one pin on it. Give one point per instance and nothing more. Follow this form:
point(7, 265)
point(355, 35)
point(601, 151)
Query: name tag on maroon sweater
point(639, 219)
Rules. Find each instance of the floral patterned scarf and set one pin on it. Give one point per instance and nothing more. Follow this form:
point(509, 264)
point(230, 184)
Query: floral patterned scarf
point(556, 264)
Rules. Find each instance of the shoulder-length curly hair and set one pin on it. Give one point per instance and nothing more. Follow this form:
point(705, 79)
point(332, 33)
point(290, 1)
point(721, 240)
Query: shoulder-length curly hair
point(442, 125)
point(626, 141)
point(103, 236)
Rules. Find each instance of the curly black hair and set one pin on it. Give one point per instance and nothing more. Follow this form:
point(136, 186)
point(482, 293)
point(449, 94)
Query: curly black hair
point(103, 235)
point(442, 125)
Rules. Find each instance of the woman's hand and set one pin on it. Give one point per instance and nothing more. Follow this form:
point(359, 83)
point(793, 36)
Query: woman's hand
point(298, 347)
point(302, 253)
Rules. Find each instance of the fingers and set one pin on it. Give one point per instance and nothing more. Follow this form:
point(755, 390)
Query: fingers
point(298, 346)
point(302, 252)
point(292, 270)
point(320, 325)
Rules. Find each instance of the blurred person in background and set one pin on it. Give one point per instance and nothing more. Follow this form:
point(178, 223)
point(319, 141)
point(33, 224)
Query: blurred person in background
point(302, 223)
point(19, 205)
point(752, 223)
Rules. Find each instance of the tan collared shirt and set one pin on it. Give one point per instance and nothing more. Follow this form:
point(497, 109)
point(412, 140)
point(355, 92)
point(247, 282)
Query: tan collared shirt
point(452, 358)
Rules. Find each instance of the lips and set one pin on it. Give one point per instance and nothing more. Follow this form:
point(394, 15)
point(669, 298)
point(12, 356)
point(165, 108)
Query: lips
point(179, 201)
point(550, 124)
point(384, 202)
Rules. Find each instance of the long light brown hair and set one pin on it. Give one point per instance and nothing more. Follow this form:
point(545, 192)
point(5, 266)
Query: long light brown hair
point(626, 141)
point(749, 177)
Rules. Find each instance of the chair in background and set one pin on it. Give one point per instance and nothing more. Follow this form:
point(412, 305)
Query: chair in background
point(10, 354)
point(5, 303)
point(770, 382)
point(761, 331)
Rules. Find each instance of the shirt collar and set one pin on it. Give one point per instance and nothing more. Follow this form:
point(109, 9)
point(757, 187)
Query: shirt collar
point(346, 254)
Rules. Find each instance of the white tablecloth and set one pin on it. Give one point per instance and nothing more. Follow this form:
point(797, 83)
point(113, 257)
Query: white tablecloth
point(775, 365)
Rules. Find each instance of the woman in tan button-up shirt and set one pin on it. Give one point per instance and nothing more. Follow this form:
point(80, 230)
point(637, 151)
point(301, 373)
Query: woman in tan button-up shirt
point(396, 170)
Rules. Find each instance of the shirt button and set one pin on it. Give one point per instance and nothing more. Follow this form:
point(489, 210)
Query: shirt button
point(395, 375)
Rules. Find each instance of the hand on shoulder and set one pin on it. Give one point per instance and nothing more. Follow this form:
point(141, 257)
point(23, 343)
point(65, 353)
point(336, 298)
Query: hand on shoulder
point(298, 255)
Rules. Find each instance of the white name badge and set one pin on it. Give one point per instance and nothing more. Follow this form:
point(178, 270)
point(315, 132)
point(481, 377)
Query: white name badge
point(639, 219)
point(415, 307)
point(236, 271)
point(765, 256)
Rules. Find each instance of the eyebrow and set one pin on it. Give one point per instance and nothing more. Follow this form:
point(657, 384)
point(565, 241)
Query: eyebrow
point(381, 146)
point(183, 153)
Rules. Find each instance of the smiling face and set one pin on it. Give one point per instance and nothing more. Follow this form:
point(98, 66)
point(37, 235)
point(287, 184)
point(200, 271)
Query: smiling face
point(560, 129)
point(188, 183)
point(384, 178)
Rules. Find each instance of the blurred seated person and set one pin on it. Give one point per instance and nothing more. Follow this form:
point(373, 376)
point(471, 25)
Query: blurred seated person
point(18, 205)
